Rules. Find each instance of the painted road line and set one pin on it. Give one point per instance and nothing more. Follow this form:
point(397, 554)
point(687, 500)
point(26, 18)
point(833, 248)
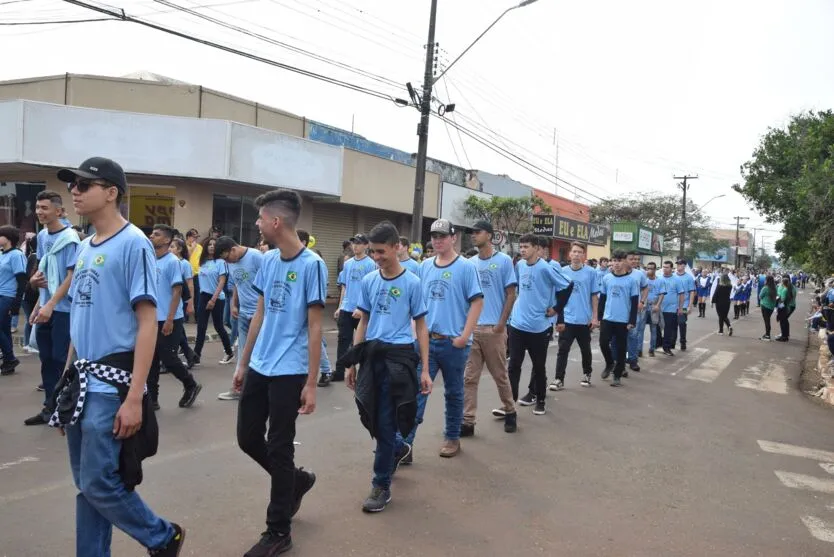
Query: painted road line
point(795, 450)
point(808, 483)
point(771, 379)
point(819, 528)
point(712, 367)
point(5, 465)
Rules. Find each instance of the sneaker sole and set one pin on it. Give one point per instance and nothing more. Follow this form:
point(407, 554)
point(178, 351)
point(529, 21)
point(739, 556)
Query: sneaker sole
point(498, 413)
point(585, 384)
point(555, 388)
point(221, 397)
point(399, 462)
point(539, 412)
point(525, 403)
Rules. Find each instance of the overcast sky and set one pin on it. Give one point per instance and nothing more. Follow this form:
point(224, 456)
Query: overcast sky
point(636, 92)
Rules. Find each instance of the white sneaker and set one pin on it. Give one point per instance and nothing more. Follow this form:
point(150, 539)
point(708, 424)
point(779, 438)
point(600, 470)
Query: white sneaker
point(557, 385)
point(227, 359)
point(229, 395)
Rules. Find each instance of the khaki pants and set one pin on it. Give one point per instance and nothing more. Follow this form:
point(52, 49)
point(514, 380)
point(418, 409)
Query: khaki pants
point(491, 349)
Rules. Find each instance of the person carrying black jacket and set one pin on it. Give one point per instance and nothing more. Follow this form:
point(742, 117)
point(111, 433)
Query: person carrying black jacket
point(721, 301)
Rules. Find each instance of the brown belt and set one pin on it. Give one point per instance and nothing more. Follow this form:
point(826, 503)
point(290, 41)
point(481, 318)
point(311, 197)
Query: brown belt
point(438, 336)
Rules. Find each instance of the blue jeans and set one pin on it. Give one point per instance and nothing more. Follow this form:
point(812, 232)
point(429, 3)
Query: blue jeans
point(635, 337)
point(388, 442)
point(451, 361)
point(6, 345)
point(242, 330)
point(324, 362)
point(29, 340)
point(53, 343)
point(647, 320)
point(103, 501)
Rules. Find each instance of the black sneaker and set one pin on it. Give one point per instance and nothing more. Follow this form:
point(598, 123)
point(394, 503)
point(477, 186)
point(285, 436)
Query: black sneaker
point(173, 547)
point(337, 376)
point(401, 457)
point(765, 337)
point(683, 346)
point(270, 544)
point(625, 374)
point(189, 395)
point(730, 332)
point(616, 383)
point(527, 400)
point(38, 419)
point(9, 366)
point(586, 380)
point(651, 353)
point(607, 371)
point(195, 360)
point(634, 366)
point(640, 354)
point(510, 423)
point(377, 500)
point(324, 380)
point(155, 405)
point(467, 430)
point(539, 409)
point(668, 352)
point(191, 362)
point(304, 482)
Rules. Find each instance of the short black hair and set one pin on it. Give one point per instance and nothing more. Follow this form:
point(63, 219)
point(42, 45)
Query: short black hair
point(223, 245)
point(633, 252)
point(166, 229)
point(286, 201)
point(652, 263)
point(429, 245)
point(384, 233)
point(404, 241)
point(531, 239)
point(471, 252)
point(345, 244)
point(667, 262)
point(12, 233)
point(601, 259)
point(303, 236)
point(618, 255)
point(544, 241)
point(53, 196)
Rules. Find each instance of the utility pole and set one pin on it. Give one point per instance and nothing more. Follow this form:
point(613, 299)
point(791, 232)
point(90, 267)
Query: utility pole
point(684, 186)
point(738, 227)
point(423, 131)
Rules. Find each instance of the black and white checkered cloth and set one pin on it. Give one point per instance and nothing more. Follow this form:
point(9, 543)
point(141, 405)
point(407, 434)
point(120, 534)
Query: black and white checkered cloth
point(111, 375)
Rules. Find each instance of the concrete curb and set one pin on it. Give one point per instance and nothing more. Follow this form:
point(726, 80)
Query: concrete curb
point(819, 358)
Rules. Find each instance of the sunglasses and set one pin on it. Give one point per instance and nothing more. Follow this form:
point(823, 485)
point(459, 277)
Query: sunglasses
point(82, 185)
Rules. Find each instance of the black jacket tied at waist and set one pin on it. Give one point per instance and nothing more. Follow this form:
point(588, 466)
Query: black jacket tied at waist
point(400, 362)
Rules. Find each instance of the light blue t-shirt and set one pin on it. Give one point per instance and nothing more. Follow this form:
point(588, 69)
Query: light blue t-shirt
point(600, 274)
point(12, 263)
point(688, 286)
point(673, 288)
point(496, 275)
point(242, 276)
point(66, 260)
point(289, 287)
point(187, 272)
point(449, 292)
point(537, 287)
point(618, 291)
point(210, 272)
point(657, 287)
point(110, 279)
point(391, 304)
point(412, 265)
point(640, 276)
point(168, 275)
point(579, 310)
point(351, 278)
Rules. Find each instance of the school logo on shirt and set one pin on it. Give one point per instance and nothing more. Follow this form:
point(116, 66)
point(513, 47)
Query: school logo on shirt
point(79, 264)
point(493, 266)
point(395, 292)
point(241, 275)
point(447, 275)
point(525, 281)
point(292, 276)
point(486, 276)
point(99, 260)
point(385, 297)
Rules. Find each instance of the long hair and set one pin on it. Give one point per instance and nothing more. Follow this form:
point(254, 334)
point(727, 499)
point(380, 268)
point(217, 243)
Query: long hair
point(786, 282)
point(182, 246)
point(204, 255)
point(725, 280)
point(770, 284)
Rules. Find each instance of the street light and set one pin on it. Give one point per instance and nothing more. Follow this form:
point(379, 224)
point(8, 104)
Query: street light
point(425, 112)
point(713, 199)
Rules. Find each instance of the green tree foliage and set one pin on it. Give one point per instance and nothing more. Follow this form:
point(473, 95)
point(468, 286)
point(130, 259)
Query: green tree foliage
point(511, 214)
point(790, 179)
point(663, 213)
point(763, 262)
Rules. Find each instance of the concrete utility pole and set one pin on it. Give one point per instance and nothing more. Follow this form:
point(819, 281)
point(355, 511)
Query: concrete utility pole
point(684, 186)
point(738, 227)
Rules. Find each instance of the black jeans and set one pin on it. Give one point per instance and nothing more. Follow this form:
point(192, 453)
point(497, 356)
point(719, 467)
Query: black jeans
point(582, 335)
point(619, 332)
point(347, 325)
point(276, 399)
point(723, 311)
point(784, 324)
point(166, 354)
point(766, 314)
point(670, 329)
point(216, 314)
point(536, 345)
point(682, 318)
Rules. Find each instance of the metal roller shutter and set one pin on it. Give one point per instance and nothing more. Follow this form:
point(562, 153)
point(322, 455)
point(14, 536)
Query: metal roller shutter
point(333, 223)
point(376, 216)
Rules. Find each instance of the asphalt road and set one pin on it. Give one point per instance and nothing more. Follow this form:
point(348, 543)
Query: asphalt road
point(713, 452)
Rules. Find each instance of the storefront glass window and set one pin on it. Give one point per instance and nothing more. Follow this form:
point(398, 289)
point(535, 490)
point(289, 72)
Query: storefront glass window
point(236, 216)
point(17, 205)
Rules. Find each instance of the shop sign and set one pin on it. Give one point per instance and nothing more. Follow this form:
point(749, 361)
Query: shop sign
point(623, 236)
point(543, 225)
point(644, 239)
point(567, 229)
point(150, 206)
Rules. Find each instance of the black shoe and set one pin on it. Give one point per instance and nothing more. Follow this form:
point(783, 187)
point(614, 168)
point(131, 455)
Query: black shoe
point(683, 347)
point(668, 352)
point(640, 354)
point(510, 423)
point(651, 353)
point(191, 362)
point(155, 405)
point(586, 380)
point(9, 366)
point(38, 419)
point(324, 380)
point(616, 382)
point(624, 374)
point(607, 371)
point(189, 396)
point(195, 360)
point(539, 409)
point(270, 544)
point(173, 547)
point(730, 332)
point(401, 457)
point(304, 482)
point(634, 366)
point(377, 500)
point(337, 376)
point(467, 430)
point(527, 400)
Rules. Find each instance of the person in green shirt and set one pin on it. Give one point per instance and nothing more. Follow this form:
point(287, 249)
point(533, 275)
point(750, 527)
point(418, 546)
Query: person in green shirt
point(786, 304)
point(767, 301)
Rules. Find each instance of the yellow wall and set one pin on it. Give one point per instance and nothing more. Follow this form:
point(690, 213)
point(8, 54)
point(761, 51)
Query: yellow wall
point(595, 252)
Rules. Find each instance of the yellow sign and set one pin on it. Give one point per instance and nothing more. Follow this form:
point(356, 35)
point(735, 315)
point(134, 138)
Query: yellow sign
point(150, 206)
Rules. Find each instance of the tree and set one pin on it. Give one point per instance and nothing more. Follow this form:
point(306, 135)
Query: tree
point(790, 179)
point(763, 262)
point(511, 214)
point(661, 212)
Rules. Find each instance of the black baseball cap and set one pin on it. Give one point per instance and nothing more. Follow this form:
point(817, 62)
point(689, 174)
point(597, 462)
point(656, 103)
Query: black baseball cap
point(680, 261)
point(483, 225)
point(359, 239)
point(96, 168)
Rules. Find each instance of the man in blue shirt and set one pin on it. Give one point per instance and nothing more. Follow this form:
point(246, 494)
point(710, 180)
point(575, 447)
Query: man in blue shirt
point(619, 297)
point(671, 307)
point(350, 284)
point(690, 298)
point(635, 335)
point(602, 270)
point(454, 300)
point(113, 317)
point(580, 317)
point(391, 299)
point(244, 264)
point(57, 244)
point(280, 363)
point(405, 259)
point(489, 345)
point(654, 302)
point(542, 293)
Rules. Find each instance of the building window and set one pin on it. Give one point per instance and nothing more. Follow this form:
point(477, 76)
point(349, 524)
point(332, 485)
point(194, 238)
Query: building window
point(17, 205)
point(235, 215)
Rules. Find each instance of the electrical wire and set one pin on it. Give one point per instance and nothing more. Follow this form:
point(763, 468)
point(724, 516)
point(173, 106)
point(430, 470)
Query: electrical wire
point(462, 146)
point(58, 21)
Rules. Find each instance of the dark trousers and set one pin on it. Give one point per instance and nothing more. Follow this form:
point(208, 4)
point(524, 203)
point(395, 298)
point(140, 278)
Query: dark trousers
point(216, 314)
point(277, 400)
point(582, 335)
point(536, 345)
point(682, 328)
point(670, 329)
point(196, 281)
point(6, 344)
point(167, 347)
point(723, 311)
point(53, 345)
point(784, 321)
point(766, 313)
point(347, 325)
point(619, 332)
